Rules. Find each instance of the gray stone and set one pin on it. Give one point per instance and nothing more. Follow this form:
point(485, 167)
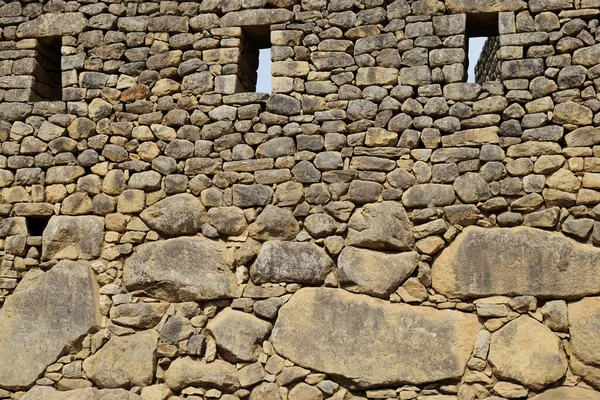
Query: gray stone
point(274, 223)
point(182, 269)
point(295, 262)
point(471, 188)
point(381, 226)
point(228, 220)
point(124, 361)
point(373, 272)
point(41, 320)
point(181, 214)
point(239, 335)
point(499, 261)
point(426, 345)
point(73, 238)
point(427, 195)
point(50, 25)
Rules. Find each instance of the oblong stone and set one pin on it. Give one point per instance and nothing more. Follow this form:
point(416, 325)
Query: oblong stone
point(516, 261)
point(295, 262)
point(181, 269)
point(568, 393)
point(182, 214)
point(376, 343)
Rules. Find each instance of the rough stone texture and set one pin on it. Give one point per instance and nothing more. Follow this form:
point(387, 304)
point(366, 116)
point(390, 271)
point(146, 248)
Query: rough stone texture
point(41, 319)
point(568, 393)
point(516, 261)
point(364, 326)
point(177, 215)
point(48, 393)
point(291, 262)
point(381, 226)
point(181, 269)
point(73, 238)
point(186, 371)
point(374, 273)
point(124, 361)
point(527, 352)
point(584, 316)
point(239, 335)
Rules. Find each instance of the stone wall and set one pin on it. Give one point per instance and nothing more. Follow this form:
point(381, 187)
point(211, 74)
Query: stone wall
point(488, 65)
point(375, 228)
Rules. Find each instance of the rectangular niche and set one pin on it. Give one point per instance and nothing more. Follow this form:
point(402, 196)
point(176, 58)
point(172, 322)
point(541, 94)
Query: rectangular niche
point(483, 43)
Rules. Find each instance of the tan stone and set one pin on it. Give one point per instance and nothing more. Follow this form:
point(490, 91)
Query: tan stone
point(527, 352)
point(182, 214)
point(49, 393)
point(184, 372)
point(516, 261)
point(376, 343)
point(568, 393)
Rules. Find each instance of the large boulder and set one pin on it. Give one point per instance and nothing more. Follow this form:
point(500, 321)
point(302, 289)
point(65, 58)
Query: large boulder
point(296, 262)
point(568, 393)
point(527, 352)
point(73, 238)
point(48, 25)
point(181, 269)
point(124, 361)
point(184, 372)
point(375, 343)
point(374, 272)
point(274, 223)
point(49, 393)
point(239, 335)
point(47, 314)
point(182, 214)
point(383, 226)
point(516, 261)
point(584, 319)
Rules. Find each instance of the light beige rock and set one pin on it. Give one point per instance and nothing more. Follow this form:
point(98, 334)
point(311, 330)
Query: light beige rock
point(584, 317)
point(239, 335)
point(49, 393)
point(181, 269)
point(568, 393)
point(184, 372)
point(376, 343)
point(124, 361)
point(73, 237)
point(47, 313)
point(373, 272)
point(381, 226)
point(527, 352)
point(516, 261)
point(47, 25)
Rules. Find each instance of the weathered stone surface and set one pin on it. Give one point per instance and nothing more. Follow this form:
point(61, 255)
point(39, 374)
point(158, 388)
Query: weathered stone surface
point(515, 261)
point(527, 352)
point(239, 335)
point(429, 194)
point(377, 343)
point(47, 25)
point(73, 238)
point(138, 315)
point(181, 214)
point(380, 226)
point(124, 361)
point(256, 17)
point(584, 317)
point(568, 393)
point(588, 56)
point(184, 372)
point(182, 269)
point(484, 6)
point(43, 318)
point(373, 272)
point(49, 393)
point(274, 223)
point(295, 262)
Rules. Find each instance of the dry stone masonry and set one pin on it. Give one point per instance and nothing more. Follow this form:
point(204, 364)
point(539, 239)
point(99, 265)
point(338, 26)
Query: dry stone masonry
point(376, 227)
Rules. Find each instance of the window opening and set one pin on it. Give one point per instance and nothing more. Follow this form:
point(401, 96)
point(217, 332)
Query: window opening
point(482, 45)
point(36, 225)
point(49, 73)
point(255, 70)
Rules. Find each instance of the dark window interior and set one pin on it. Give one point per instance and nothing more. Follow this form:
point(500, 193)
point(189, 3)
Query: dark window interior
point(49, 79)
point(36, 225)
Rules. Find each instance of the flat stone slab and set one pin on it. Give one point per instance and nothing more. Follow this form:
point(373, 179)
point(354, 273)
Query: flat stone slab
point(49, 393)
point(73, 238)
point(296, 262)
point(47, 313)
point(181, 269)
point(376, 343)
point(485, 262)
point(568, 393)
point(47, 25)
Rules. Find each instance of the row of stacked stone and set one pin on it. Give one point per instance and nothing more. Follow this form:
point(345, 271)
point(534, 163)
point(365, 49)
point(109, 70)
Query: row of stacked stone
point(369, 116)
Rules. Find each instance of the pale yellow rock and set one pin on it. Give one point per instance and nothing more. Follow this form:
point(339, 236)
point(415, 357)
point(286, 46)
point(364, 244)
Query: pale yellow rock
point(568, 393)
point(527, 352)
